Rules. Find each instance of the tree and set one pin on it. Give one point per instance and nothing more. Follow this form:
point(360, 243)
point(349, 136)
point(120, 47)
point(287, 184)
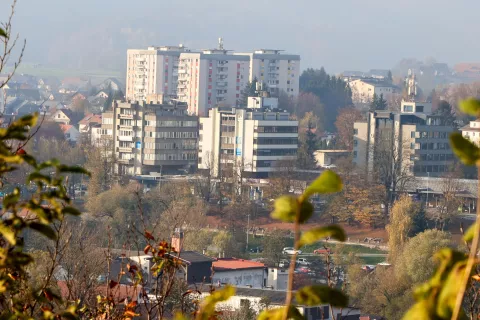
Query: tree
point(449, 202)
point(250, 90)
point(444, 110)
point(273, 244)
point(344, 124)
point(389, 76)
point(307, 141)
point(308, 103)
point(401, 224)
point(101, 161)
point(378, 103)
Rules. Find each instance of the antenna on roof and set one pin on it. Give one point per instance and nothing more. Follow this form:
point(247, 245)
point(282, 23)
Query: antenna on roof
point(220, 43)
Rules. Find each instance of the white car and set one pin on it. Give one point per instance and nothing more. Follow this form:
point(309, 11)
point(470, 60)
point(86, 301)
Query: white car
point(303, 262)
point(329, 166)
point(290, 250)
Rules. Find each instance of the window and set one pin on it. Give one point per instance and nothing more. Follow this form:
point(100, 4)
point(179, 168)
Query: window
point(355, 142)
point(407, 108)
point(355, 131)
point(419, 108)
point(354, 154)
point(412, 134)
point(412, 145)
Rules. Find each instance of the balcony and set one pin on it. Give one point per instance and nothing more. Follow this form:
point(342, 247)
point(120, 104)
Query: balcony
point(125, 116)
point(125, 161)
point(182, 70)
point(125, 149)
point(125, 138)
point(222, 84)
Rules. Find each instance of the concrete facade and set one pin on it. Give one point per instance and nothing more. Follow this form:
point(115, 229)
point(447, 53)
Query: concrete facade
point(279, 71)
point(152, 71)
point(152, 138)
point(254, 138)
point(364, 89)
point(211, 78)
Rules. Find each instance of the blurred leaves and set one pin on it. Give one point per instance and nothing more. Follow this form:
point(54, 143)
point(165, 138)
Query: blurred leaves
point(316, 295)
point(465, 150)
point(328, 182)
point(313, 235)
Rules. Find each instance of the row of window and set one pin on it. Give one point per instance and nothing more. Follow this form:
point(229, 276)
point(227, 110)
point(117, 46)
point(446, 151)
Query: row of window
point(279, 129)
point(429, 135)
point(432, 157)
point(275, 141)
point(432, 168)
point(170, 123)
point(431, 146)
point(166, 156)
point(170, 135)
point(185, 145)
point(274, 152)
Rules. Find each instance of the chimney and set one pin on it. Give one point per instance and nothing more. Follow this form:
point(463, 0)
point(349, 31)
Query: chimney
point(177, 239)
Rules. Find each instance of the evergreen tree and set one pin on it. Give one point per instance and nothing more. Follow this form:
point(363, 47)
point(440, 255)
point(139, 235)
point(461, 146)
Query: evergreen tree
point(444, 110)
point(378, 103)
point(389, 76)
point(308, 145)
point(250, 90)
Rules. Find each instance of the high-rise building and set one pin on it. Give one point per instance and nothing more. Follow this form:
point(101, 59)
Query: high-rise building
point(409, 142)
point(211, 78)
point(252, 140)
point(279, 71)
point(152, 137)
point(152, 71)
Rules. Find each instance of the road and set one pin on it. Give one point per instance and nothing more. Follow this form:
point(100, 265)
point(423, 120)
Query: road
point(361, 255)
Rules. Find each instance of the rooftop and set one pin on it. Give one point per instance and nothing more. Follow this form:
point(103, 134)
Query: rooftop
point(236, 264)
point(192, 257)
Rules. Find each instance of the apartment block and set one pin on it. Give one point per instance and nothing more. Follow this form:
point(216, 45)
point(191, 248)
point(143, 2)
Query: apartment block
point(211, 78)
point(152, 138)
point(279, 71)
point(364, 89)
point(472, 131)
point(251, 139)
point(413, 141)
point(152, 71)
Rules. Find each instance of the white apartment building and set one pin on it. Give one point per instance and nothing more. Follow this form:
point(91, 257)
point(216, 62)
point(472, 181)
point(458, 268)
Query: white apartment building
point(255, 138)
point(152, 138)
point(472, 131)
point(211, 78)
point(152, 71)
point(279, 71)
point(364, 89)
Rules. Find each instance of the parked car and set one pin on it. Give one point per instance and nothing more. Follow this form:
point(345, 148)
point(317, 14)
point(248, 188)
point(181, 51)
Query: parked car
point(256, 250)
point(322, 251)
point(283, 263)
point(291, 250)
point(329, 166)
point(303, 262)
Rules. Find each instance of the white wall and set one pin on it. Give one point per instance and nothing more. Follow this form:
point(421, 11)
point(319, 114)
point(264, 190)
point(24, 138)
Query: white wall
point(246, 277)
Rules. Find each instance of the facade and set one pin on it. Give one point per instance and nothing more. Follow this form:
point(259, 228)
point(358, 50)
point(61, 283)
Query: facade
point(364, 89)
point(472, 131)
point(211, 78)
point(152, 71)
point(328, 157)
point(152, 138)
point(414, 139)
point(239, 272)
point(279, 71)
point(251, 139)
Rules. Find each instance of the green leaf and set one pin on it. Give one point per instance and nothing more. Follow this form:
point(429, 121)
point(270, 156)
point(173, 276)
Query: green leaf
point(277, 314)
point(71, 210)
point(73, 169)
point(466, 150)
point(313, 235)
point(470, 106)
point(37, 176)
point(306, 211)
point(468, 236)
point(328, 182)
point(3, 33)
point(11, 199)
point(208, 306)
point(285, 209)
point(449, 290)
point(8, 234)
point(44, 229)
point(315, 295)
point(420, 311)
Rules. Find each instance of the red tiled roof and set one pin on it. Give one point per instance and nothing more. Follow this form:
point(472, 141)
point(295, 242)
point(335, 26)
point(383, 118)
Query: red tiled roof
point(91, 118)
point(65, 127)
point(119, 292)
point(234, 264)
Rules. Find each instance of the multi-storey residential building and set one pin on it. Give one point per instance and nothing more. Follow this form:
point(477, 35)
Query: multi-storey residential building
point(279, 71)
point(364, 89)
point(152, 71)
point(211, 78)
point(412, 141)
point(252, 139)
point(472, 131)
point(152, 137)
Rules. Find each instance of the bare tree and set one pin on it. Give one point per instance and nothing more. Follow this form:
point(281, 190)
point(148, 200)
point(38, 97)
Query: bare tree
point(447, 207)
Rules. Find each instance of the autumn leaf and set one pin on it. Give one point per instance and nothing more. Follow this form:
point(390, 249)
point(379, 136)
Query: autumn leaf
point(112, 284)
point(149, 236)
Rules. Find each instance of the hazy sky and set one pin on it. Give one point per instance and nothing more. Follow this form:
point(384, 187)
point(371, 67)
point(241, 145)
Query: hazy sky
point(337, 34)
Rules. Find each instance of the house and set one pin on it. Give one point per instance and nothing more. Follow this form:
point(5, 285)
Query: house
point(472, 131)
point(85, 125)
point(26, 94)
point(260, 299)
point(64, 116)
point(70, 132)
point(328, 157)
point(364, 89)
point(52, 105)
point(239, 272)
